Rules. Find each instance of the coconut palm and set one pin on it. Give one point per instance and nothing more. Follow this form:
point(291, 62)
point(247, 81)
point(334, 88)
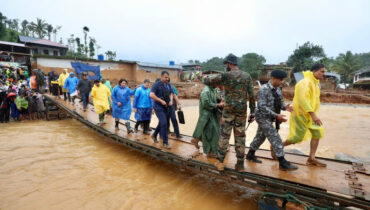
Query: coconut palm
point(15, 23)
point(85, 30)
point(346, 65)
point(49, 29)
point(40, 28)
point(55, 31)
point(31, 28)
point(24, 29)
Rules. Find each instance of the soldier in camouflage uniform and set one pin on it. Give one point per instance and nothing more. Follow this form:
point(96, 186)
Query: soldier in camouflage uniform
point(270, 103)
point(238, 86)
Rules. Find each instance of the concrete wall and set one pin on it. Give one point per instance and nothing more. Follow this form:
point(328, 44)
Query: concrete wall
point(112, 71)
point(154, 73)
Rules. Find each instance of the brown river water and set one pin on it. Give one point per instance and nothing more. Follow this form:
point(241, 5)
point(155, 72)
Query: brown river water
point(65, 165)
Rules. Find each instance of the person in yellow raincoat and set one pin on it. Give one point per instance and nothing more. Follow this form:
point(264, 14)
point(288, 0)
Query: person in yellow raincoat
point(101, 97)
point(62, 78)
point(304, 122)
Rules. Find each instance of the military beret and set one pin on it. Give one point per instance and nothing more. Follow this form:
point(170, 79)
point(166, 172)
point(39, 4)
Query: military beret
point(279, 74)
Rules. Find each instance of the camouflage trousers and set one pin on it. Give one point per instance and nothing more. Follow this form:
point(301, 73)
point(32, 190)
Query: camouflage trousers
point(267, 130)
point(235, 121)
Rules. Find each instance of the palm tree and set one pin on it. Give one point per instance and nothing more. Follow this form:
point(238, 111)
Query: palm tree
point(85, 30)
point(92, 47)
point(55, 31)
point(40, 28)
point(24, 25)
point(2, 25)
point(31, 28)
point(15, 24)
point(49, 29)
point(8, 22)
point(346, 64)
point(2, 17)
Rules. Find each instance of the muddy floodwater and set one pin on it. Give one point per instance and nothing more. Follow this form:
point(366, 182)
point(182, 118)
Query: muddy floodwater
point(65, 165)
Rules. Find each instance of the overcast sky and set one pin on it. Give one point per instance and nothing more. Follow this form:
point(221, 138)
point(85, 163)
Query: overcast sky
point(164, 30)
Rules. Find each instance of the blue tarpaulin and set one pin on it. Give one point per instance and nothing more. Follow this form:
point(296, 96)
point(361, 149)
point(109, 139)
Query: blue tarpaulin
point(80, 67)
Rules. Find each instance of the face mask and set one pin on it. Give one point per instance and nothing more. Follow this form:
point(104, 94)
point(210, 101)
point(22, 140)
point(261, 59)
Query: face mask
point(228, 68)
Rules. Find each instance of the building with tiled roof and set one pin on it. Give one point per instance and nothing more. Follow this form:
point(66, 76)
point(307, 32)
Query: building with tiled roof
point(43, 46)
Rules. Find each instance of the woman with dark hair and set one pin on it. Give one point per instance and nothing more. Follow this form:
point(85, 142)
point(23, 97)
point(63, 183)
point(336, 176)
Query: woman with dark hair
point(121, 98)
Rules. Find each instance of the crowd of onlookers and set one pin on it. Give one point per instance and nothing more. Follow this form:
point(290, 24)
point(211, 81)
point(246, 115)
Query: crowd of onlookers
point(20, 94)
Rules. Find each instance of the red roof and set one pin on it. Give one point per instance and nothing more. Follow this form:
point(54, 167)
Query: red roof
point(47, 43)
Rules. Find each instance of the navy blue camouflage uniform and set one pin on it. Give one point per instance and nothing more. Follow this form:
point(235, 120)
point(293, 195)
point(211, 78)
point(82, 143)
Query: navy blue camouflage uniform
point(265, 117)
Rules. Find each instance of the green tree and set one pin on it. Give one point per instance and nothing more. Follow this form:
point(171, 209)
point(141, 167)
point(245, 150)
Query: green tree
point(345, 65)
point(24, 29)
point(214, 63)
point(79, 45)
point(85, 30)
point(305, 56)
point(252, 63)
point(2, 25)
point(31, 28)
point(40, 28)
point(364, 58)
point(56, 29)
point(49, 29)
point(15, 23)
point(91, 47)
point(111, 55)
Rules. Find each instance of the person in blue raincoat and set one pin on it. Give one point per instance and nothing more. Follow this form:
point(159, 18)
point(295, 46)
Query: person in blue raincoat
point(121, 99)
point(71, 85)
point(143, 106)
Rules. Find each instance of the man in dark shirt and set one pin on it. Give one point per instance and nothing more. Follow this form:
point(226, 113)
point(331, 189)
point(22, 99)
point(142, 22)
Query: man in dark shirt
point(162, 95)
point(84, 88)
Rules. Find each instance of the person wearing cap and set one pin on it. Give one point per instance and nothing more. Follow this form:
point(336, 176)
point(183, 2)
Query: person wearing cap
point(304, 122)
point(62, 78)
point(238, 88)
point(270, 103)
point(71, 85)
point(84, 87)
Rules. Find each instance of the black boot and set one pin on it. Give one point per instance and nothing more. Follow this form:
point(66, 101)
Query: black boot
point(137, 127)
point(117, 122)
point(146, 126)
point(284, 165)
point(239, 166)
point(128, 127)
point(252, 157)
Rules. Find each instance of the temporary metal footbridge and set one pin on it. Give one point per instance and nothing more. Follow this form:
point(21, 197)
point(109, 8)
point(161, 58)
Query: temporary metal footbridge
point(339, 185)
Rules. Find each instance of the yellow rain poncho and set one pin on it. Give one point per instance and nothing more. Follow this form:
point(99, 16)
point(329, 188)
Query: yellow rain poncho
point(306, 99)
point(62, 78)
point(100, 97)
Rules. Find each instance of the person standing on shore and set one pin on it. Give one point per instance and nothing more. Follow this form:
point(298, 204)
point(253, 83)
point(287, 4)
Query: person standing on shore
point(304, 122)
point(100, 95)
point(71, 85)
point(270, 103)
point(62, 78)
point(84, 88)
point(162, 95)
point(121, 98)
point(208, 125)
point(238, 88)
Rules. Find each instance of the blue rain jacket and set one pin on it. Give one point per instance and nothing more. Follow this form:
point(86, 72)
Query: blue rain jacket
point(142, 99)
point(122, 95)
point(71, 83)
